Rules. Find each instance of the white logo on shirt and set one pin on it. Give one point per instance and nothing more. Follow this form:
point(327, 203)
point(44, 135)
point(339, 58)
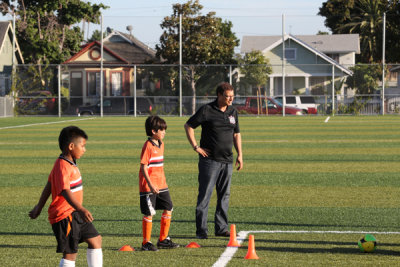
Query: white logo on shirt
point(232, 120)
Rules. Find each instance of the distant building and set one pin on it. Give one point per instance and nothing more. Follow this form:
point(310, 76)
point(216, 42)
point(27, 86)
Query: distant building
point(310, 60)
point(120, 52)
point(6, 56)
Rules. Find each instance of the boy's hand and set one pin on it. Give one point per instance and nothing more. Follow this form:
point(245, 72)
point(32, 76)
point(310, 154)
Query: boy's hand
point(86, 215)
point(35, 212)
point(154, 190)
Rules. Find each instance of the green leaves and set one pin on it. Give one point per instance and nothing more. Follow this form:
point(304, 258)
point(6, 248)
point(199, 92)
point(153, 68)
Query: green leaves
point(44, 29)
point(255, 68)
point(365, 78)
point(365, 17)
point(206, 39)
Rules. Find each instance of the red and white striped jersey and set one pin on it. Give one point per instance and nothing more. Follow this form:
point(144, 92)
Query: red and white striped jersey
point(152, 156)
point(64, 175)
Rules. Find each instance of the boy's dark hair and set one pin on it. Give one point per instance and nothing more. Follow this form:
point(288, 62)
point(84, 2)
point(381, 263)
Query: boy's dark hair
point(154, 123)
point(222, 87)
point(68, 135)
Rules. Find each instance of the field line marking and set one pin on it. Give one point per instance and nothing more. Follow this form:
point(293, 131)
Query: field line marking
point(230, 251)
point(42, 123)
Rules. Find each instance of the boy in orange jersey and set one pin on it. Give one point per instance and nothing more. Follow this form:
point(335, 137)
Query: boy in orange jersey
point(154, 193)
point(71, 222)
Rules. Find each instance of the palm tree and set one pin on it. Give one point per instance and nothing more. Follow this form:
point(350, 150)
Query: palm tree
point(367, 21)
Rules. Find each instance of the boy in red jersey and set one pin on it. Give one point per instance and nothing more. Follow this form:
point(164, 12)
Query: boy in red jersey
point(154, 193)
point(71, 222)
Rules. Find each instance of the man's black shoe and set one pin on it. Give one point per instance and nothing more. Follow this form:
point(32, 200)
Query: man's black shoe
point(202, 236)
point(225, 234)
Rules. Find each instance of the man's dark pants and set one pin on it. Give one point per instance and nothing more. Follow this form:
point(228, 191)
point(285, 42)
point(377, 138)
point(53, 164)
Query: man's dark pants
point(213, 173)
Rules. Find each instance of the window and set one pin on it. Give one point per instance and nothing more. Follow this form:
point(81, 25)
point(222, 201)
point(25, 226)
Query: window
point(2, 85)
point(270, 104)
point(93, 83)
point(290, 53)
point(307, 100)
point(5, 84)
point(253, 103)
point(65, 80)
point(116, 83)
point(290, 100)
point(392, 76)
point(334, 57)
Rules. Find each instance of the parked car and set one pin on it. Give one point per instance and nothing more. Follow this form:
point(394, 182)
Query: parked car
point(393, 105)
point(36, 103)
point(117, 106)
point(304, 102)
point(249, 105)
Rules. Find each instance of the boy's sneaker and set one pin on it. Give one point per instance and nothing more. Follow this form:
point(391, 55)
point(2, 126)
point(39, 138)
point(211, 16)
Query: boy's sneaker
point(149, 247)
point(167, 243)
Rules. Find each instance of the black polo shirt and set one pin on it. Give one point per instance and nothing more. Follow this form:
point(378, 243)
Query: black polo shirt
point(217, 129)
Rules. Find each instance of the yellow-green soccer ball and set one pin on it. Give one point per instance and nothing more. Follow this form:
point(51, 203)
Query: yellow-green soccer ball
point(367, 243)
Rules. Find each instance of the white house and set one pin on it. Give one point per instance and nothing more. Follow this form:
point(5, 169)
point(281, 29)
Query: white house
point(311, 61)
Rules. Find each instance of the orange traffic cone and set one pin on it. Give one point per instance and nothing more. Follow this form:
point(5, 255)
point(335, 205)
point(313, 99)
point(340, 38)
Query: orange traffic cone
point(232, 240)
point(126, 248)
point(251, 252)
point(193, 245)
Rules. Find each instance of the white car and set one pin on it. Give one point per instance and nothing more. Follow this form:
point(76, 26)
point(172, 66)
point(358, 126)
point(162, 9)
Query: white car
point(304, 102)
point(393, 105)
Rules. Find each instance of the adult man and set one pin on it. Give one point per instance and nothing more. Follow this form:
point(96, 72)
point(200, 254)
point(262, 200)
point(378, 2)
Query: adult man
point(220, 130)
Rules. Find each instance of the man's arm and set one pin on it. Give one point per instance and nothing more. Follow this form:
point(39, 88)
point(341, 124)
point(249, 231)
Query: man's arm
point(35, 212)
point(237, 142)
point(69, 197)
point(192, 140)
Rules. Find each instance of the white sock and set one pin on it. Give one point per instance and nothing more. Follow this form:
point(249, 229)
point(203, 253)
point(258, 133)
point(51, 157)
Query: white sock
point(66, 263)
point(94, 257)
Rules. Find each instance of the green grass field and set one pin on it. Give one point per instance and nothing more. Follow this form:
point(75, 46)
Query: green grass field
point(299, 174)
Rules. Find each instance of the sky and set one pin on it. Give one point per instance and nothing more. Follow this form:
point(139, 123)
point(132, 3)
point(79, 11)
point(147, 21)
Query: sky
point(249, 17)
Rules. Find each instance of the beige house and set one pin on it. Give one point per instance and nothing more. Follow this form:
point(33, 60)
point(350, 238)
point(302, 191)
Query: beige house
point(81, 73)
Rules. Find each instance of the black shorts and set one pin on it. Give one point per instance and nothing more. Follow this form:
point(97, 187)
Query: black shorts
point(150, 202)
point(71, 231)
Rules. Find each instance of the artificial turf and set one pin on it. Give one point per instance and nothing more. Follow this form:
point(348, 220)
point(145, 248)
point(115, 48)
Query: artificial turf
point(300, 173)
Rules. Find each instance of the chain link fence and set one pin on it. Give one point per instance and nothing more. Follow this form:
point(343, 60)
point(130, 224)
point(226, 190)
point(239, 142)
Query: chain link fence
point(62, 90)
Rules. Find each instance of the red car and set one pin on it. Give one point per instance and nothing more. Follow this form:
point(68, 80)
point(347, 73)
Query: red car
point(39, 102)
point(250, 105)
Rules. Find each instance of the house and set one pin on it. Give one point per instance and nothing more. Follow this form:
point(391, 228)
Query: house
point(393, 80)
point(120, 53)
point(311, 60)
point(7, 55)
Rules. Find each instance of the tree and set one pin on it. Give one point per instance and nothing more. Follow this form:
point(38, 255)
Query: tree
point(365, 18)
point(255, 68)
point(365, 78)
point(44, 28)
point(96, 36)
point(206, 39)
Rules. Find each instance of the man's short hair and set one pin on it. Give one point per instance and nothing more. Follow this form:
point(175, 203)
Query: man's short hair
point(154, 123)
point(222, 87)
point(68, 135)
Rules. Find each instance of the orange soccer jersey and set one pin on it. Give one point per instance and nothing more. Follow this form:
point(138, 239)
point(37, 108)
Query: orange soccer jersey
point(153, 157)
point(64, 175)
